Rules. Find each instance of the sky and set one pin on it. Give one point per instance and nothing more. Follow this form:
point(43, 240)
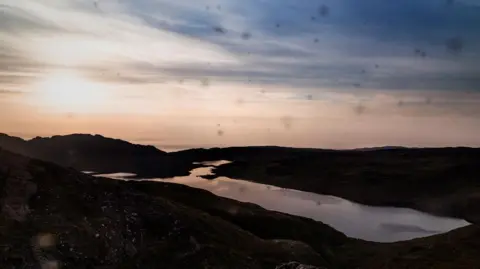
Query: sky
point(204, 73)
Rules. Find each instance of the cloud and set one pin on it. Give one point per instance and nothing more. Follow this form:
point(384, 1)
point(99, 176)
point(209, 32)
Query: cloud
point(79, 36)
point(354, 37)
point(360, 46)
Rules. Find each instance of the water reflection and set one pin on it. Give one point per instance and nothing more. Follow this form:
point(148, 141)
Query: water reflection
point(381, 224)
point(120, 175)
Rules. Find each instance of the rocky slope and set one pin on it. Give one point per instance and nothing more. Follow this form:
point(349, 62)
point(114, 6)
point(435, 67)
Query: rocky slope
point(58, 217)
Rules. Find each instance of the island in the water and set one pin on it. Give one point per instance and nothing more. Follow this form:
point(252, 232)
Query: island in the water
point(54, 215)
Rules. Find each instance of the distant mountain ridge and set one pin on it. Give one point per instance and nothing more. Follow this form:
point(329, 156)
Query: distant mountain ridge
point(87, 152)
point(380, 148)
point(98, 153)
point(81, 139)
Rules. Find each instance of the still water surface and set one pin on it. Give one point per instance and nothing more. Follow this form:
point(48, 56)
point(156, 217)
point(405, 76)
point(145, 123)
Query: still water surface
point(380, 224)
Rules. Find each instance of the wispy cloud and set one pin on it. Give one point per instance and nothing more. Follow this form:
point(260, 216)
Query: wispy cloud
point(75, 34)
point(368, 43)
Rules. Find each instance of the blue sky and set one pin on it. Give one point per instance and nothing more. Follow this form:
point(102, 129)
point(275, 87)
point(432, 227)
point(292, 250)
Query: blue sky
point(248, 58)
point(371, 42)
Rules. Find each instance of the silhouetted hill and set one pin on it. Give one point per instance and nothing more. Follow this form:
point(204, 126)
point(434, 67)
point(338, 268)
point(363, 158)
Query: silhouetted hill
point(100, 154)
point(380, 148)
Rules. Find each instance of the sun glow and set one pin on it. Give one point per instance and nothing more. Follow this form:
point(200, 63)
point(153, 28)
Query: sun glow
point(69, 93)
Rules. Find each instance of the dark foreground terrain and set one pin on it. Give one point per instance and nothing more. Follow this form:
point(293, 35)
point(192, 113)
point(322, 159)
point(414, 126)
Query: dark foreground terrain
point(441, 181)
point(52, 216)
point(55, 217)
